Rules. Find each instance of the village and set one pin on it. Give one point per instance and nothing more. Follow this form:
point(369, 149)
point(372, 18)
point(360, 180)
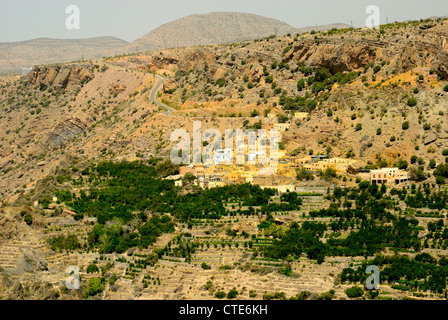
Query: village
point(281, 174)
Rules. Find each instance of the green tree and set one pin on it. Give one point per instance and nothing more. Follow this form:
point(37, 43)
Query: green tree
point(432, 164)
point(95, 286)
point(282, 118)
point(301, 84)
point(417, 173)
point(303, 174)
point(92, 268)
point(402, 164)
point(354, 292)
point(28, 219)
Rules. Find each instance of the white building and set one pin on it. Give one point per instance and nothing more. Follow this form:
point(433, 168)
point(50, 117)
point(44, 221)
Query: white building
point(388, 175)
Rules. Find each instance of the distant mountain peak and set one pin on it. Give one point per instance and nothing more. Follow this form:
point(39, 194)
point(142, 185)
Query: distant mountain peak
point(215, 28)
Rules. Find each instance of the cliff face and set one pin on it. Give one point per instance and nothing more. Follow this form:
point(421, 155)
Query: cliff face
point(64, 131)
point(335, 57)
point(59, 77)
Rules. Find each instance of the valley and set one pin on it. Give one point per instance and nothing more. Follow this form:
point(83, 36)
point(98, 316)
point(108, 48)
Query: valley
point(86, 177)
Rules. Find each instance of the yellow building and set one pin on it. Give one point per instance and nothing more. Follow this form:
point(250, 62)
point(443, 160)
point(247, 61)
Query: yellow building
point(301, 115)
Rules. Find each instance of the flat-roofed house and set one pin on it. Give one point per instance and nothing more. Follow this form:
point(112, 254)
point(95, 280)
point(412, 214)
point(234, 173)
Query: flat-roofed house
point(389, 176)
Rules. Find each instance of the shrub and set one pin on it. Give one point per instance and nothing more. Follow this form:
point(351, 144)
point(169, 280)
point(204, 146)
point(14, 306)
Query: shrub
point(373, 294)
point(405, 125)
point(28, 219)
point(205, 266)
point(232, 294)
point(286, 49)
point(358, 127)
point(220, 294)
point(282, 118)
point(301, 84)
point(254, 113)
point(220, 82)
point(412, 102)
point(326, 295)
point(354, 292)
point(445, 88)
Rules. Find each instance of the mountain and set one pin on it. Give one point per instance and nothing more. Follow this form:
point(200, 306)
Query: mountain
point(17, 55)
point(198, 29)
point(216, 28)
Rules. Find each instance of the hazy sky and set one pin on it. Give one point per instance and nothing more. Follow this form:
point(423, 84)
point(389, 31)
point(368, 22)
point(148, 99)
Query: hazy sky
point(130, 19)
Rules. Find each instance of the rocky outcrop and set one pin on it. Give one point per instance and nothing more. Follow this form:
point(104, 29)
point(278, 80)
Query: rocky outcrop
point(31, 261)
point(430, 138)
point(169, 85)
point(334, 57)
point(59, 77)
point(64, 131)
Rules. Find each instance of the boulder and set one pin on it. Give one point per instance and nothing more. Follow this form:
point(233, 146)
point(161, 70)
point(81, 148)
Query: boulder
point(30, 261)
point(430, 138)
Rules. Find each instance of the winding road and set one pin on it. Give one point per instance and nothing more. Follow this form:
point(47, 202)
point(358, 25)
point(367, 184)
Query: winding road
point(154, 91)
point(153, 95)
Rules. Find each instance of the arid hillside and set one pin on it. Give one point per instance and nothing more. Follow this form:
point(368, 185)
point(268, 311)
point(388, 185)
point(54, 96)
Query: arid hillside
point(369, 95)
